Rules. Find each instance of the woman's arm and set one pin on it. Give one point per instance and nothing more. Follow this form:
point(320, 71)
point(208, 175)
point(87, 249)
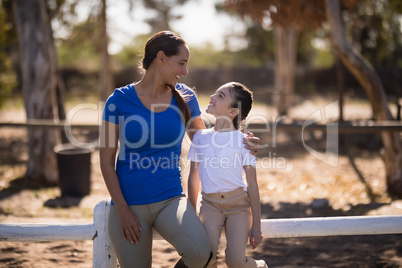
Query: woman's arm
point(195, 125)
point(129, 225)
point(254, 195)
point(252, 143)
point(193, 184)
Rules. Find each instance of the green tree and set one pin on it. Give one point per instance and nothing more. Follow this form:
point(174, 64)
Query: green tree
point(289, 18)
point(8, 53)
point(312, 13)
point(374, 27)
point(163, 13)
point(368, 78)
point(106, 81)
point(260, 43)
point(80, 48)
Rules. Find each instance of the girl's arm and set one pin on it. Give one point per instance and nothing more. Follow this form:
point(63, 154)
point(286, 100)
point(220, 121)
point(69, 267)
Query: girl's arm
point(129, 225)
point(255, 234)
point(193, 184)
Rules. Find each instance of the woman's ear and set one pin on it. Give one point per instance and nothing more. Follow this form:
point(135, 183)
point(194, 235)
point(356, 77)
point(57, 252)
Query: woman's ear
point(161, 56)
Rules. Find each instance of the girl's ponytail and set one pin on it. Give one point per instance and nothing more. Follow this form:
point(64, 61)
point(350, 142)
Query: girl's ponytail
point(243, 100)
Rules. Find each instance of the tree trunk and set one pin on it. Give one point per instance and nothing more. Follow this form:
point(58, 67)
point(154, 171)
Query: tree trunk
point(106, 75)
point(285, 60)
point(39, 83)
point(364, 72)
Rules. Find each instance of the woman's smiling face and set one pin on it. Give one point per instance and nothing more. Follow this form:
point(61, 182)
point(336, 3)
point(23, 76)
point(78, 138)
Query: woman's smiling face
point(175, 66)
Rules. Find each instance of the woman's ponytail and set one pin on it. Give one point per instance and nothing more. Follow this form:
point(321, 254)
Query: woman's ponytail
point(182, 104)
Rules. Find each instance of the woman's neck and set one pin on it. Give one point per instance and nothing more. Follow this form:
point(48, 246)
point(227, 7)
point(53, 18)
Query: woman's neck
point(224, 125)
point(150, 86)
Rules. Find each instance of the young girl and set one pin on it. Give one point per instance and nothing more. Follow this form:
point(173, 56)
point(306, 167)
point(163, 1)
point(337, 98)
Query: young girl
point(219, 160)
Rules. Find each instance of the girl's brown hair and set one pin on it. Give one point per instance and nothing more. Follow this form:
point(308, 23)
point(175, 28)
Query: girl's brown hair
point(242, 99)
point(169, 43)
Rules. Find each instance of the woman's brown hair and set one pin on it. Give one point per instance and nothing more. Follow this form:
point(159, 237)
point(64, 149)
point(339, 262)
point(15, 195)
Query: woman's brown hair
point(169, 43)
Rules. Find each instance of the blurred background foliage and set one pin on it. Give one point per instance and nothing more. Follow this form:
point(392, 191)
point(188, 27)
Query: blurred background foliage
point(8, 45)
point(280, 49)
point(374, 27)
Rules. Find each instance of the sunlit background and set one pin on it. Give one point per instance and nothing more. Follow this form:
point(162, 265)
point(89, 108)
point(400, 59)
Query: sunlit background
point(281, 51)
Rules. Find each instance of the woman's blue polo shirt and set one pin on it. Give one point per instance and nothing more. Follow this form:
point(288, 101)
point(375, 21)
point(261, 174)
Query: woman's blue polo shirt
point(148, 163)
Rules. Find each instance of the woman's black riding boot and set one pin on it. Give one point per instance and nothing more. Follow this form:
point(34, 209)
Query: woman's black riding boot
point(180, 264)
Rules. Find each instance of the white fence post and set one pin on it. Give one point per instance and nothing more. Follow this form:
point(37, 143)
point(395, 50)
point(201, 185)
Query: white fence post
point(103, 252)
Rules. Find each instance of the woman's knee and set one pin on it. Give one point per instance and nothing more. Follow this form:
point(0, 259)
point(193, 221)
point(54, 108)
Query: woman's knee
point(194, 253)
point(197, 260)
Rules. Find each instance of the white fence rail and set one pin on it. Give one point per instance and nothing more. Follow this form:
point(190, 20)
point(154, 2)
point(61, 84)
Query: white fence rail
point(104, 256)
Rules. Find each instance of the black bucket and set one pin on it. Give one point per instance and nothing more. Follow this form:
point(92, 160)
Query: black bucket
point(74, 169)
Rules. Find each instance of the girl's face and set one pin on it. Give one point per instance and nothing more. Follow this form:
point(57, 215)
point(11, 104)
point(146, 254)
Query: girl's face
point(220, 102)
point(175, 66)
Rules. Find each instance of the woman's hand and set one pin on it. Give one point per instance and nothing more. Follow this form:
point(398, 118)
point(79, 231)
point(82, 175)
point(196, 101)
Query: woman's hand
point(129, 225)
point(255, 236)
point(252, 143)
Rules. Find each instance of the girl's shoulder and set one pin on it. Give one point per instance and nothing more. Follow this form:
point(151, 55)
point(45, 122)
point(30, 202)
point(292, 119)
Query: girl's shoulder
point(241, 134)
point(202, 132)
point(206, 131)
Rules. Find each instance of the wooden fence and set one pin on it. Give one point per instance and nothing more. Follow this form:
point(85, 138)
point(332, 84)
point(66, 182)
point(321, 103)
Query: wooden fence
point(104, 256)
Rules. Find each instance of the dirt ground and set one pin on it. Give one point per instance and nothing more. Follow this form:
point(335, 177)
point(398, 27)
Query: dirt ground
point(293, 184)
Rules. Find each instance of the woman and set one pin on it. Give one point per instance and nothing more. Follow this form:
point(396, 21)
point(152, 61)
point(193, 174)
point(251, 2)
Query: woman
point(148, 118)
